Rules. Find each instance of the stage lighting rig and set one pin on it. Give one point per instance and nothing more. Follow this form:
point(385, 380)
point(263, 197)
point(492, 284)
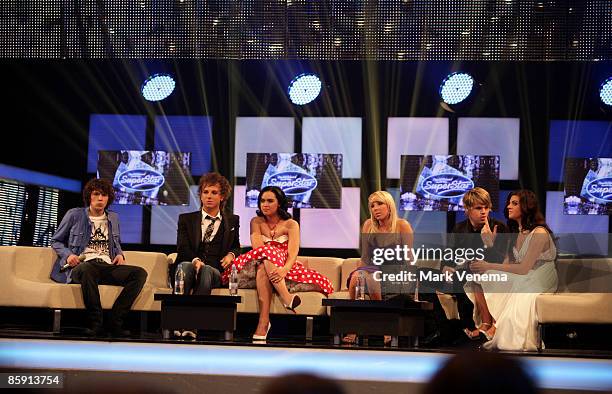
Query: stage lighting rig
point(605, 92)
point(304, 88)
point(456, 88)
point(157, 87)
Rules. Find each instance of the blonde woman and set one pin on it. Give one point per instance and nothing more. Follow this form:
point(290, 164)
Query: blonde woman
point(383, 219)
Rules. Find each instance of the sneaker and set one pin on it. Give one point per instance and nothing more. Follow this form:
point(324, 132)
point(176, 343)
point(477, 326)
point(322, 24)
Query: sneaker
point(178, 333)
point(190, 333)
point(94, 332)
point(120, 333)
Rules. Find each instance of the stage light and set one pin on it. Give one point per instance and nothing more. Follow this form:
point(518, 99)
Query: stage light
point(605, 92)
point(456, 87)
point(304, 88)
point(157, 87)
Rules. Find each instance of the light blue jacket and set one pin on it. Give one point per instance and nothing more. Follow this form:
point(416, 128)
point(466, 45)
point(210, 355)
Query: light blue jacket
point(72, 237)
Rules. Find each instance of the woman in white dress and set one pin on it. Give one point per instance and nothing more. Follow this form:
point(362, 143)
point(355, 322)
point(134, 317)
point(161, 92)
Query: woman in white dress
point(530, 271)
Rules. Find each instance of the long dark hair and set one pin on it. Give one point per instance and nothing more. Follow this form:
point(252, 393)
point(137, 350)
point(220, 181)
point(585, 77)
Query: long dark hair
point(283, 202)
point(531, 215)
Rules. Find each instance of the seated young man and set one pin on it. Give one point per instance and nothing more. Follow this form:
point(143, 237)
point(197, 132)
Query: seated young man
point(207, 239)
point(88, 246)
point(479, 230)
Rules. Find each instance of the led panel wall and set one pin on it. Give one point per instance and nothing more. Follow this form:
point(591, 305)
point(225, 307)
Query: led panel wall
point(581, 138)
point(429, 222)
point(114, 132)
point(12, 205)
point(186, 134)
point(164, 220)
point(335, 135)
point(261, 135)
point(333, 228)
point(414, 136)
point(491, 136)
point(578, 234)
point(130, 221)
point(246, 214)
point(46, 216)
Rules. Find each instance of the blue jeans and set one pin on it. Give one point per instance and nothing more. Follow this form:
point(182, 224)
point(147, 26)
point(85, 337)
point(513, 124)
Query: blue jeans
point(207, 279)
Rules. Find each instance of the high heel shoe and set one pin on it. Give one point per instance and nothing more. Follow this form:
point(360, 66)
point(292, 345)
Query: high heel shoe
point(295, 302)
point(350, 339)
point(472, 335)
point(262, 337)
point(486, 331)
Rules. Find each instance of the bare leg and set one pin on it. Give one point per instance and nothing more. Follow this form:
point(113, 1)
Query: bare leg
point(353, 285)
point(281, 287)
point(374, 290)
point(352, 338)
point(264, 297)
point(480, 302)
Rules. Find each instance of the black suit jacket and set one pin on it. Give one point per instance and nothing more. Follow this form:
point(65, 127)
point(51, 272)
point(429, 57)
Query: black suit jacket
point(189, 235)
point(465, 236)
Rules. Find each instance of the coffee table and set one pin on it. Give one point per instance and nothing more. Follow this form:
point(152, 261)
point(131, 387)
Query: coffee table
point(398, 316)
point(205, 312)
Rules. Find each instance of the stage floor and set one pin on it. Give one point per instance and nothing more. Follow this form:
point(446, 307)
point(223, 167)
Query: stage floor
point(229, 363)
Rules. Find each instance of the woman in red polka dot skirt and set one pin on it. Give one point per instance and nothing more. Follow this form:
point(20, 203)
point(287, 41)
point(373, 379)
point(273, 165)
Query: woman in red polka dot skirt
point(272, 263)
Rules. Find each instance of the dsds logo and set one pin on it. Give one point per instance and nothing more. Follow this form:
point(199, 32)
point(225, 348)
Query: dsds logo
point(293, 182)
point(600, 189)
point(447, 185)
point(141, 180)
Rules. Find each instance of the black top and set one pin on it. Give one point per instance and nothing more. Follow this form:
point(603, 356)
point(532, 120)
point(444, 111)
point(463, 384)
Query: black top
point(189, 236)
point(464, 235)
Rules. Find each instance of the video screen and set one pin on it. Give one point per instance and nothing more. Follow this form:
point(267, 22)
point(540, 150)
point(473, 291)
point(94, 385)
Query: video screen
point(588, 186)
point(310, 180)
point(438, 183)
point(147, 177)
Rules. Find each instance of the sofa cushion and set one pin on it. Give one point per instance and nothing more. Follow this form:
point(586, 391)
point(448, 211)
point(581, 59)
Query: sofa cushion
point(327, 266)
point(574, 308)
point(24, 278)
point(348, 266)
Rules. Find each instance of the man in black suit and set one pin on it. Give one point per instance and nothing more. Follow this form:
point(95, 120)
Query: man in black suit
point(208, 239)
point(478, 231)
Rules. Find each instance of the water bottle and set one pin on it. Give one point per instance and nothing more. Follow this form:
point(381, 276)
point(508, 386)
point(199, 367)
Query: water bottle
point(179, 281)
point(360, 290)
point(233, 281)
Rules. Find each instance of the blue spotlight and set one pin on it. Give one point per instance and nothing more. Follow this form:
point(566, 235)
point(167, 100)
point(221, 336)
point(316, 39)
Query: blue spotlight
point(157, 87)
point(456, 87)
point(605, 91)
point(304, 88)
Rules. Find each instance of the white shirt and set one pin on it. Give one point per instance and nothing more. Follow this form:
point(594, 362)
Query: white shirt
point(98, 241)
point(206, 222)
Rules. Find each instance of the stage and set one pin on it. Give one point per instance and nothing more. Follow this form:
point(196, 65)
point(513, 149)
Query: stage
point(180, 366)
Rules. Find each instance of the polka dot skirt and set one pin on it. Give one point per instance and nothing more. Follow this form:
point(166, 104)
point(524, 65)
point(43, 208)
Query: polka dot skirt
point(277, 254)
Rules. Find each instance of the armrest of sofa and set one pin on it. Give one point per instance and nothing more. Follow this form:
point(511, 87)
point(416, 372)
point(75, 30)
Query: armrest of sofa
point(7, 271)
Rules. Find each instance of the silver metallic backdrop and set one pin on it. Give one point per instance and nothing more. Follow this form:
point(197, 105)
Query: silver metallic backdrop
point(308, 29)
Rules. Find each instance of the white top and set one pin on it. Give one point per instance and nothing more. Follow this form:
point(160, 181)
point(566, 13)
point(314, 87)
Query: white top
point(98, 241)
point(281, 239)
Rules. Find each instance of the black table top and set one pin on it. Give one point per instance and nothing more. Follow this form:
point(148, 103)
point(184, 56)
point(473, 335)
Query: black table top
point(392, 303)
point(204, 299)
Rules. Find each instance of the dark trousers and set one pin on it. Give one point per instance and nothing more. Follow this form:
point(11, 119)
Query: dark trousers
point(90, 274)
point(203, 282)
point(448, 329)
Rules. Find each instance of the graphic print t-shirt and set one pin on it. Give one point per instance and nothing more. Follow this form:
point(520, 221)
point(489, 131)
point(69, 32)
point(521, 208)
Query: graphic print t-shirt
point(98, 241)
